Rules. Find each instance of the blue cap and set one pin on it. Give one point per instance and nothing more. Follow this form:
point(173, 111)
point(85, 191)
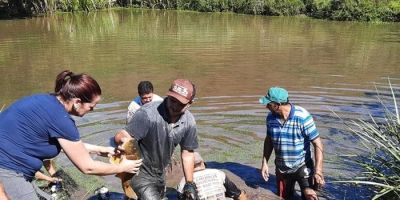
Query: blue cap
point(275, 94)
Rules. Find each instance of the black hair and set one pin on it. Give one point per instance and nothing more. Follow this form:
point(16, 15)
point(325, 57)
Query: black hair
point(285, 103)
point(145, 87)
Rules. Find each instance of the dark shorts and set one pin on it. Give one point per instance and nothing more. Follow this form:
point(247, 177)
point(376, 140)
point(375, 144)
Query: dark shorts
point(286, 182)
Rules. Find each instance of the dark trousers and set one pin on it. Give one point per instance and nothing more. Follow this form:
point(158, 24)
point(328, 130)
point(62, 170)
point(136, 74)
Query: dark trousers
point(149, 186)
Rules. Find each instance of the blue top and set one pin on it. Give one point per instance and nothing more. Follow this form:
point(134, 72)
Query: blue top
point(138, 100)
point(291, 139)
point(29, 129)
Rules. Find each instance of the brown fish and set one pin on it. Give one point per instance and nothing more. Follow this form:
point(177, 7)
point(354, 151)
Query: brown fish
point(132, 152)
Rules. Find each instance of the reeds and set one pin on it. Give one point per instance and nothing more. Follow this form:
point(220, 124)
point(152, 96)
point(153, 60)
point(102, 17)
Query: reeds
point(381, 139)
point(37, 7)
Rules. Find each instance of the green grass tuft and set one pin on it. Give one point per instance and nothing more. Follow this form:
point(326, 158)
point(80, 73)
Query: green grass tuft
point(381, 165)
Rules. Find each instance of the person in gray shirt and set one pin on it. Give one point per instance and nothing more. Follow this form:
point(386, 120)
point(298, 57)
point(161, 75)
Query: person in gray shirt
point(159, 127)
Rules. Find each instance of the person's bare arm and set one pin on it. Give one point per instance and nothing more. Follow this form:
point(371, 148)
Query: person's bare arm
point(79, 155)
point(122, 136)
point(188, 164)
point(100, 150)
point(266, 155)
point(319, 156)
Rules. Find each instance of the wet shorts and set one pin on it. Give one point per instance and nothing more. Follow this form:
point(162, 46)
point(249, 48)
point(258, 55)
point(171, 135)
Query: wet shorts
point(286, 182)
point(148, 187)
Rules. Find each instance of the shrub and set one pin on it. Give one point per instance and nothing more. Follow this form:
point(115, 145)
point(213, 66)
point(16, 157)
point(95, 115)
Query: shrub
point(362, 10)
point(284, 7)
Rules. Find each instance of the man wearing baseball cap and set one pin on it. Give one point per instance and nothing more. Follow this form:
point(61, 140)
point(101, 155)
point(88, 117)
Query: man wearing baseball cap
point(159, 127)
point(290, 130)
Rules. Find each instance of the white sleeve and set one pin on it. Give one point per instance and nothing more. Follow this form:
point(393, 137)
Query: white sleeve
point(157, 98)
point(132, 108)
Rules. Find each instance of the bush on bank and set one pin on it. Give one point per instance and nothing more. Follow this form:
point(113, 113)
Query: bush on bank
point(362, 10)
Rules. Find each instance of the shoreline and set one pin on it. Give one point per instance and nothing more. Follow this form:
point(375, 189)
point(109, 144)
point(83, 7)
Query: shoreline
point(368, 11)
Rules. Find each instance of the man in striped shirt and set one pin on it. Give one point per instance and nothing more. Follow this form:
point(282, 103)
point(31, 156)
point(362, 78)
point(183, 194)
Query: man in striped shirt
point(290, 130)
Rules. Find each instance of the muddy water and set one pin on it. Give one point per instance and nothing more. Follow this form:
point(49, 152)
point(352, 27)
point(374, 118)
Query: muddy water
point(233, 59)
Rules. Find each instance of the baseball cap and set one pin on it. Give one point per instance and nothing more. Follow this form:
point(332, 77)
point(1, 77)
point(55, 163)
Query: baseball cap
point(275, 94)
point(197, 158)
point(182, 90)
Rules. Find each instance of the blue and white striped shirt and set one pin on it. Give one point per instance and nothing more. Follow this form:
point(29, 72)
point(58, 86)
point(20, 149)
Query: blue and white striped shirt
point(291, 139)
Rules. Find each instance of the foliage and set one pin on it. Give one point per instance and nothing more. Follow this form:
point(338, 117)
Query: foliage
point(363, 10)
point(382, 140)
point(284, 7)
point(65, 189)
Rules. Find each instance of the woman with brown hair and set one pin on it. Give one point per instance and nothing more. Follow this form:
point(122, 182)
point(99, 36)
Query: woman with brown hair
point(37, 127)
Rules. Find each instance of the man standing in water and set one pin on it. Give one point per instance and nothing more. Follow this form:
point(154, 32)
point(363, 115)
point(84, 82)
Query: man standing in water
point(146, 95)
point(290, 130)
point(158, 128)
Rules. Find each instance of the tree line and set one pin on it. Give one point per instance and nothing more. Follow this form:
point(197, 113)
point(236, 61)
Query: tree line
point(341, 10)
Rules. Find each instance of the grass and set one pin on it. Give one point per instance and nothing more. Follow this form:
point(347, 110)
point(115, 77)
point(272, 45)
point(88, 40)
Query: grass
point(381, 163)
point(73, 181)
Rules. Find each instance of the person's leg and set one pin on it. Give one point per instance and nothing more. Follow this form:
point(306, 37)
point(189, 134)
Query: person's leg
point(148, 187)
point(305, 179)
point(150, 192)
point(232, 191)
point(309, 194)
point(3, 194)
point(16, 186)
point(285, 185)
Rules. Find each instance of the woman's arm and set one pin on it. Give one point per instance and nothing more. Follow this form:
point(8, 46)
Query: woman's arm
point(79, 155)
point(100, 150)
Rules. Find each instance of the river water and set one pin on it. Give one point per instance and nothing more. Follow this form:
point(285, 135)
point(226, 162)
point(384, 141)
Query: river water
point(326, 66)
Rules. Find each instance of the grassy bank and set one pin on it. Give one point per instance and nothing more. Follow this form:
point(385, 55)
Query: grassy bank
point(362, 10)
point(380, 163)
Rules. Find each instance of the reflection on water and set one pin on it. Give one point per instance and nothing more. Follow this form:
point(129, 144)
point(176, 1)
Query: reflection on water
point(233, 59)
point(224, 54)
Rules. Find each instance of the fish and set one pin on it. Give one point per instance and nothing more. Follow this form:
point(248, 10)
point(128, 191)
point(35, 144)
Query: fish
point(131, 152)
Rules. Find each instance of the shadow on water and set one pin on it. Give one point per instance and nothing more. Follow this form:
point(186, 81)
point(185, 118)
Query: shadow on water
point(250, 175)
